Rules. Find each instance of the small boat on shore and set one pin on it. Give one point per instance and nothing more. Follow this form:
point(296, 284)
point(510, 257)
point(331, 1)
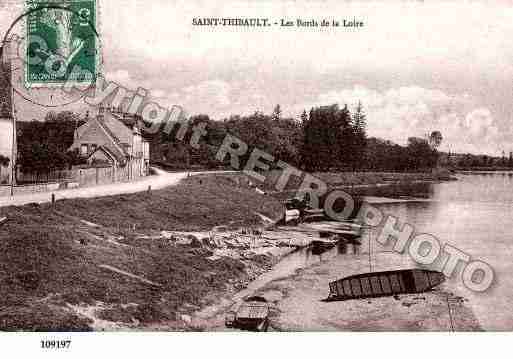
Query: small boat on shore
point(252, 315)
point(291, 213)
point(313, 212)
point(314, 218)
point(341, 228)
point(379, 284)
point(320, 246)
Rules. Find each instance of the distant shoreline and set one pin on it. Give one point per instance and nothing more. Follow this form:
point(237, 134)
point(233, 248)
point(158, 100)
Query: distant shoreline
point(481, 171)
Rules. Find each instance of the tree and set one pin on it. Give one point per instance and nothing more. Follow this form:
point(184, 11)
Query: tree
point(435, 139)
point(359, 120)
point(326, 138)
point(420, 154)
point(43, 145)
point(359, 124)
point(303, 118)
point(276, 116)
point(4, 161)
point(345, 143)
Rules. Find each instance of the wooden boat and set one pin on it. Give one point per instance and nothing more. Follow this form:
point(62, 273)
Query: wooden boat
point(333, 227)
point(292, 213)
point(313, 212)
point(384, 283)
point(313, 218)
point(295, 203)
point(253, 315)
point(319, 247)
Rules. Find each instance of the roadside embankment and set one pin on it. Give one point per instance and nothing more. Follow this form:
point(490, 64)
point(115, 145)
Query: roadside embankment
point(130, 261)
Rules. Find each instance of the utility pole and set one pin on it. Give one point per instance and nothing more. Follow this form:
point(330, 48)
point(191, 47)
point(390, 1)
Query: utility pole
point(14, 146)
point(14, 154)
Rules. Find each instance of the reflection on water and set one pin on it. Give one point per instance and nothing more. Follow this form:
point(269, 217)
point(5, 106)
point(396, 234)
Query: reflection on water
point(301, 258)
point(475, 215)
point(315, 255)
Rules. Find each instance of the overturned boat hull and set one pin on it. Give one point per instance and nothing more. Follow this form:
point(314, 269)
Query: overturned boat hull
point(385, 283)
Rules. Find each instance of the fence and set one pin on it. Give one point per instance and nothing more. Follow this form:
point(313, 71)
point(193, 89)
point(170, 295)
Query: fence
point(54, 176)
point(77, 177)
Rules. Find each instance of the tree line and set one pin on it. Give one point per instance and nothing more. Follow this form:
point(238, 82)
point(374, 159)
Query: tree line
point(43, 145)
point(325, 138)
point(470, 161)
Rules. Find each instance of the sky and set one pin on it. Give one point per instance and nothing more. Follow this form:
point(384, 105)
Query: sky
point(415, 66)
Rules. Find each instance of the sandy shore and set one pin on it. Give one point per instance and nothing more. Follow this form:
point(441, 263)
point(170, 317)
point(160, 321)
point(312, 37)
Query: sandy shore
point(299, 305)
point(297, 302)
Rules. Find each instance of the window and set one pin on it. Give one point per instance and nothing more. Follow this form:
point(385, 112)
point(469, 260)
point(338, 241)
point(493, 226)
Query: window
point(83, 149)
point(93, 147)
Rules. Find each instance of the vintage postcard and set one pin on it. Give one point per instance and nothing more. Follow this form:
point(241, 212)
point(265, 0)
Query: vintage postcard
point(255, 166)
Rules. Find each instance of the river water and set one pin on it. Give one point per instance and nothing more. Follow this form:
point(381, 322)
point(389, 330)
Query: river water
point(473, 214)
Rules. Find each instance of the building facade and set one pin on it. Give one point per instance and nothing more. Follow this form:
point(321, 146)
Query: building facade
point(114, 138)
point(7, 125)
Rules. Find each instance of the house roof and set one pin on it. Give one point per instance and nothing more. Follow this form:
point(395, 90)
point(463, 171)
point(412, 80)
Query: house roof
point(112, 123)
point(114, 137)
point(106, 151)
point(131, 121)
point(128, 119)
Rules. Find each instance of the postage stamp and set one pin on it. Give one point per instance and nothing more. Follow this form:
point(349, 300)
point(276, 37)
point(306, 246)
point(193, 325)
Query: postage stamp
point(62, 42)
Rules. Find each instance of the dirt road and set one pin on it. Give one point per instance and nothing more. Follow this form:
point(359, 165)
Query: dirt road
point(158, 181)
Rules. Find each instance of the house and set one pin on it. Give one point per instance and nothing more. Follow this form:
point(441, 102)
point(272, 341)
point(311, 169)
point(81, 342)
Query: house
point(7, 142)
point(114, 139)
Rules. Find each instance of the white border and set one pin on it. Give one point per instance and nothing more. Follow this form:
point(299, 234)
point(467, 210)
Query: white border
point(259, 345)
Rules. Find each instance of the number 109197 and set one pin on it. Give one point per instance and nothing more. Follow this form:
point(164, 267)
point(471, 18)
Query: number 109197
point(55, 344)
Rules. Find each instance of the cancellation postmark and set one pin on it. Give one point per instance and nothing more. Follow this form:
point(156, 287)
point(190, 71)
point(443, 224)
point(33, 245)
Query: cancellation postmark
point(62, 42)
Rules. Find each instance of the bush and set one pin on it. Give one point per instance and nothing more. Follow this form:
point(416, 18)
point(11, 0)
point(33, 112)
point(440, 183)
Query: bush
point(41, 318)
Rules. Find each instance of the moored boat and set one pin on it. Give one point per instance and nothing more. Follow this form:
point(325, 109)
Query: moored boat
point(320, 246)
point(378, 284)
point(253, 315)
point(341, 228)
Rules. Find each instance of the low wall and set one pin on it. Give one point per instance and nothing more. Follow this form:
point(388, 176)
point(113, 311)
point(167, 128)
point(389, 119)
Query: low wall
point(106, 175)
point(5, 190)
point(80, 177)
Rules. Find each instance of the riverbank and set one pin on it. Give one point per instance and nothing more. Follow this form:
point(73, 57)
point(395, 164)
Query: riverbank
point(145, 261)
point(299, 305)
point(297, 301)
point(376, 184)
point(130, 261)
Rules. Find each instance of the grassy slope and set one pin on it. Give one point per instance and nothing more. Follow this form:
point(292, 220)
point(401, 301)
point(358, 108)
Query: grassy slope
point(49, 258)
